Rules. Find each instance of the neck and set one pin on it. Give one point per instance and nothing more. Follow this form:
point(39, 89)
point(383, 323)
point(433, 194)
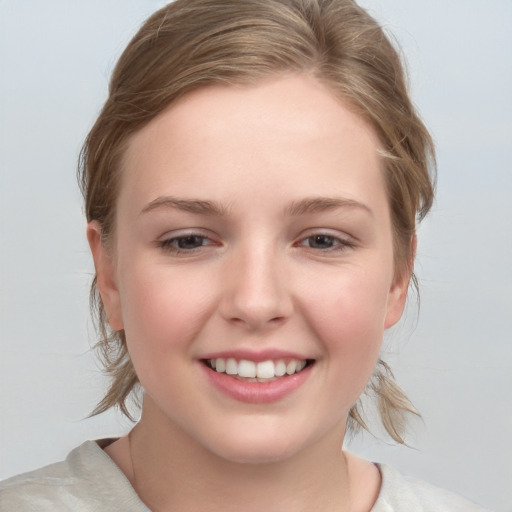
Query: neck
point(171, 471)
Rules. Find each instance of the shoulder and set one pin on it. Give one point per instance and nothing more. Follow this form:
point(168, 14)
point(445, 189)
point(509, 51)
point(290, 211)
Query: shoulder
point(401, 493)
point(87, 480)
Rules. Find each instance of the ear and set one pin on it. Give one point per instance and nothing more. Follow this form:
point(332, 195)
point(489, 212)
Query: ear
point(398, 292)
point(105, 276)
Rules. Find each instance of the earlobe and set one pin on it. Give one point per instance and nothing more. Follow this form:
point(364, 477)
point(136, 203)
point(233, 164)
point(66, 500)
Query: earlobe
point(105, 276)
point(398, 292)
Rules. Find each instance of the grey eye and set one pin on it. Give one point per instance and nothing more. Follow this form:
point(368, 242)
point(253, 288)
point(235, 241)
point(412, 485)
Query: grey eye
point(321, 241)
point(189, 242)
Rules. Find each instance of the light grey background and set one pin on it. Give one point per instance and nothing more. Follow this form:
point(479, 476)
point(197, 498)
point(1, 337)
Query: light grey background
point(456, 363)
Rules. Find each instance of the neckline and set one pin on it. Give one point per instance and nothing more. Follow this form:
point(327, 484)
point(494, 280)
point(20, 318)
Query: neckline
point(97, 449)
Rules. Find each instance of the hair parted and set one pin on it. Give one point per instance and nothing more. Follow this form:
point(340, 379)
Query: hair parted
point(190, 44)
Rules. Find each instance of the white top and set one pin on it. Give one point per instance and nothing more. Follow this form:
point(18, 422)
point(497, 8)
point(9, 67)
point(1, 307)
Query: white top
point(89, 481)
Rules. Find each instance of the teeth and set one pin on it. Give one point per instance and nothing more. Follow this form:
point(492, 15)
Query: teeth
point(246, 369)
point(231, 367)
point(291, 367)
point(263, 370)
point(280, 368)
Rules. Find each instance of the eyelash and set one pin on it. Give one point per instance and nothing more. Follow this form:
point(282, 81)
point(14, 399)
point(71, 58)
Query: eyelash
point(172, 245)
point(337, 244)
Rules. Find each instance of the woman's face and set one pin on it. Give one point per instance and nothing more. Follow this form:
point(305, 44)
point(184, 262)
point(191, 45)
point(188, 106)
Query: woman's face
point(253, 236)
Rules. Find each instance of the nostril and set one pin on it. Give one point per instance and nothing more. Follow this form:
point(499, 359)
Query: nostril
point(255, 303)
point(254, 322)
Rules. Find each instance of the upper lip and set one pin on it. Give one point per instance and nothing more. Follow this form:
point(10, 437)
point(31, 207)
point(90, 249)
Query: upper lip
point(256, 356)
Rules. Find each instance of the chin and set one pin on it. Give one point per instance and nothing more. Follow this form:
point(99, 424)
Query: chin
point(260, 447)
point(257, 453)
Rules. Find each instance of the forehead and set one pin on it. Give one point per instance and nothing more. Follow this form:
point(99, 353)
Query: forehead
point(289, 132)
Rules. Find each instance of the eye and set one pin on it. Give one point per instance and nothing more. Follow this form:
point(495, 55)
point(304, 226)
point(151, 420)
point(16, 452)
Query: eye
point(325, 242)
point(184, 244)
point(321, 241)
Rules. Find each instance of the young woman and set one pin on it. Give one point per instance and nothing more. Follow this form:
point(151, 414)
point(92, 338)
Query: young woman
point(252, 188)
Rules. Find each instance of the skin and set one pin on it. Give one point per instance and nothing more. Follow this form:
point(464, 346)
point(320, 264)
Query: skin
point(273, 268)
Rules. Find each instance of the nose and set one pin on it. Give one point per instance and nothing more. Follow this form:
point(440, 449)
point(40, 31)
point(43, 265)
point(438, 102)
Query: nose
point(256, 289)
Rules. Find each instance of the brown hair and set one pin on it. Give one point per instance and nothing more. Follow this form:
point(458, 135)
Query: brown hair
point(192, 43)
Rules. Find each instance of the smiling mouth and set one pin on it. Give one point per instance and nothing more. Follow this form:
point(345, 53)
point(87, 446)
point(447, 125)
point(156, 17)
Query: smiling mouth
point(264, 371)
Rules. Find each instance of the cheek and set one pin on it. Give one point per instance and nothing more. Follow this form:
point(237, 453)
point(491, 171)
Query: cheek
point(347, 318)
point(162, 313)
point(349, 314)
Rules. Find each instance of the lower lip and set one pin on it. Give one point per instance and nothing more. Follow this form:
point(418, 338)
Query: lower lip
point(256, 392)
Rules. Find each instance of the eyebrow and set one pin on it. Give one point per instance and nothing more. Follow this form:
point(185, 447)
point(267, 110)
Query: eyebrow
point(197, 206)
point(321, 204)
point(296, 208)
